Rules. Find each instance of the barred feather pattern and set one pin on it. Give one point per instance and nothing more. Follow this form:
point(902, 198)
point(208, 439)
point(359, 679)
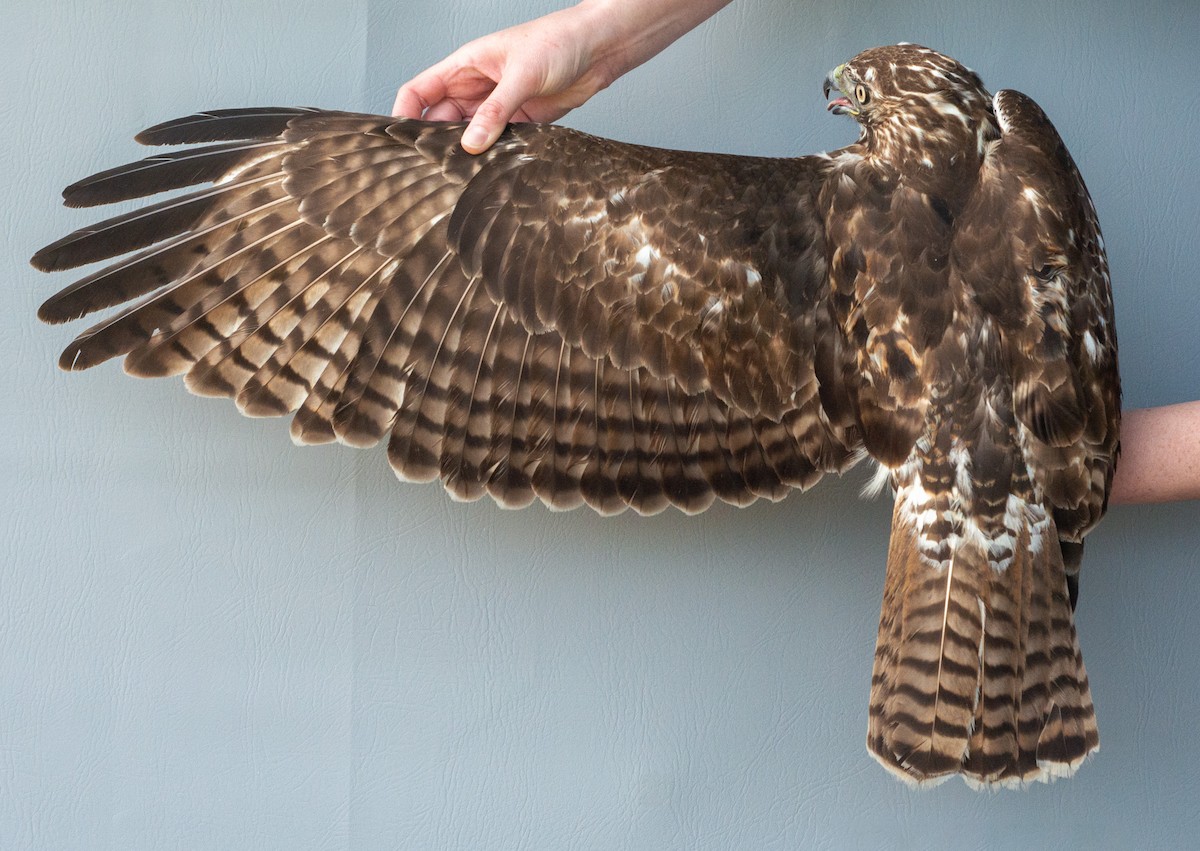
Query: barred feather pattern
point(367, 276)
point(978, 669)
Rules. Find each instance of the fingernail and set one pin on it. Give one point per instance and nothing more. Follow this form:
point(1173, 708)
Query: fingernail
point(475, 138)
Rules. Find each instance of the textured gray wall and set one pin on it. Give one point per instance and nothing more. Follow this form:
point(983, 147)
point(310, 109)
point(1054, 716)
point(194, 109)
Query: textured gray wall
point(210, 639)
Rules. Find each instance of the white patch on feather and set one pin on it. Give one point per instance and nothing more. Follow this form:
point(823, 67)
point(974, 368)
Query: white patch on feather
point(909, 780)
point(878, 481)
point(975, 536)
point(960, 457)
point(918, 510)
point(245, 165)
point(1047, 772)
point(712, 311)
point(950, 110)
point(914, 503)
point(645, 255)
point(1018, 514)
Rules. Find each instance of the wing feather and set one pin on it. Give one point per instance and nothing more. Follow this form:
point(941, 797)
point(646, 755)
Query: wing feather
point(563, 318)
point(164, 172)
point(224, 125)
point(1048, 282)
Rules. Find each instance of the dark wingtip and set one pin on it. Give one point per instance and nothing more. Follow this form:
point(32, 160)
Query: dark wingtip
point(51, 311)
point(76, 195)
point(47, 258)
point(82, 194)
point(45, 313)
point(54, 257)
point(219, 125)
point(69, 360)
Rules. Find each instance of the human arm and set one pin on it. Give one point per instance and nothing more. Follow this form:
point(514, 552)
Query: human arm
point(1160, 455)
point(542, 69)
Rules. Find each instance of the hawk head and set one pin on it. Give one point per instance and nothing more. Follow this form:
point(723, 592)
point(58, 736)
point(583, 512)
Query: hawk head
point(910, 99)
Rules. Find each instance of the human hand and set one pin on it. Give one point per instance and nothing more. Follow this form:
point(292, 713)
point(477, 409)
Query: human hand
point(536, 71)
point(541, 70)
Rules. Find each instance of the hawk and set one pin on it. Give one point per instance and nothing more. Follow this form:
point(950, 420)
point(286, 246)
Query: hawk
point(581, 321)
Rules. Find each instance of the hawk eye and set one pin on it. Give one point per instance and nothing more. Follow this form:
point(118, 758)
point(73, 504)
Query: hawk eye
point(861, 94)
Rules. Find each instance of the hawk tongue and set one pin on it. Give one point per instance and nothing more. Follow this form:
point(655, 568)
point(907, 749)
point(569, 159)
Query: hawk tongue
point(839, 106)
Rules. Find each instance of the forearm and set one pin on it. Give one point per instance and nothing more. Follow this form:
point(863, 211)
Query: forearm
point(628, 32)
point(1160, 455)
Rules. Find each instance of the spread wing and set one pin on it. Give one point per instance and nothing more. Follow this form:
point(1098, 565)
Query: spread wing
point(564, 317)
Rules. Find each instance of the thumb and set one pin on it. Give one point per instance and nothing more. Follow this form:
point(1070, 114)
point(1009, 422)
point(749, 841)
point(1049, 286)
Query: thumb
point(494, 113)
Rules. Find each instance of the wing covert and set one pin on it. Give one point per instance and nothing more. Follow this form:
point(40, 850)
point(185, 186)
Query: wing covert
point(703, 268)
point(1047, 283)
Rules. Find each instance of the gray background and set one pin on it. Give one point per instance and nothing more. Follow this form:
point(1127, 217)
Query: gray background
point(211, 639)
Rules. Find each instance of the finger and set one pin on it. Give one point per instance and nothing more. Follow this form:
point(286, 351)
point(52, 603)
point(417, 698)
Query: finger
point(408, 104)
point(447, 110)
point(493, 114)
point(419, 93)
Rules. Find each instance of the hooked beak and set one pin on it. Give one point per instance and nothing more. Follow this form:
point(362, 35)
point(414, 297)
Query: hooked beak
point(839, 105)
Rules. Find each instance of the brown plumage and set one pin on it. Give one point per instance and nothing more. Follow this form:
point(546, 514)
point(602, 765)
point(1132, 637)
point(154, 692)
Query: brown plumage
point(581, 321)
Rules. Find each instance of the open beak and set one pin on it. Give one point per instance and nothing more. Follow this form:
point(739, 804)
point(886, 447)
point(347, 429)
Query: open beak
point(840, 105)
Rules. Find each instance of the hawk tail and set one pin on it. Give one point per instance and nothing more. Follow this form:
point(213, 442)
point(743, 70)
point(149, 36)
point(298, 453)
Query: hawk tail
point(978, 670)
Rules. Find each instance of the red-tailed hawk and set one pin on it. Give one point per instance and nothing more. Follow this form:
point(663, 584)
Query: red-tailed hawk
point(581, 321)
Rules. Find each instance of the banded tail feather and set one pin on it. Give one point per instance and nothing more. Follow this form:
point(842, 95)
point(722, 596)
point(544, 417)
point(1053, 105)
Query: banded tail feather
point(977, 668)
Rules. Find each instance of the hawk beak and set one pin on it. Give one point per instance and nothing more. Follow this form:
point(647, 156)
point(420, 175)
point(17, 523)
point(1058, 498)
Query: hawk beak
point(840, 105)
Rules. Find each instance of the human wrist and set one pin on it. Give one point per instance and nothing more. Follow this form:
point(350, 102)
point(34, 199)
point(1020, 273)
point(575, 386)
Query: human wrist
point(622, 34)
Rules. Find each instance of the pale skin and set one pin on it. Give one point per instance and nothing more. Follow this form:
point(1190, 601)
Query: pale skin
point(542, 69)
point(1160, 455)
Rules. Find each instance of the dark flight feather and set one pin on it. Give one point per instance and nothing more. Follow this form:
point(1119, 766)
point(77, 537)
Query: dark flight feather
point(223, 125)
